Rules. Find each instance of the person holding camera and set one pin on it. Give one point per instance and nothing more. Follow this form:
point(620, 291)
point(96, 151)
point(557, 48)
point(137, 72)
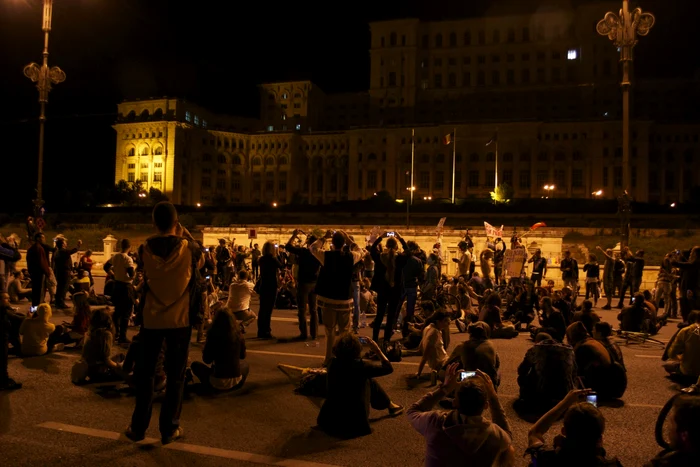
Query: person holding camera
point(463, 435)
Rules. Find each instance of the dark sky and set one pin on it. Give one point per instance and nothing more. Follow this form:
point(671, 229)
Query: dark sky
point(213, 52)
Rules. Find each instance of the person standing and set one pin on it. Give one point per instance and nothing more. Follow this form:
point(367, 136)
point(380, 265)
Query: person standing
point(630, 275)
point(306, 284)
point(539, 268)
point(269, 267)
point(38, 266)
point(410, 274)
point(638, 270)
point(63, 267)
point(464, 261)
point(499, 254)
point(569, 270)
point(334, 283)
point(223, 258)
point(122, 266)
point(85, 264)
point(168, 260)
point(254, 259)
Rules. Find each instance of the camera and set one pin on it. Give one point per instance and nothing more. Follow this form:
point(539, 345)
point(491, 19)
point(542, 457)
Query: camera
point(592, 399)
point(466, 375)
point(391, 234)
point(363, 340)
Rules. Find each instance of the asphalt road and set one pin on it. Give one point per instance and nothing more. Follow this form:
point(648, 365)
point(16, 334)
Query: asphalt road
point(52, 421)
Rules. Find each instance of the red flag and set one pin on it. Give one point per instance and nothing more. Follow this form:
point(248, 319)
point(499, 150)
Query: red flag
point(538, 225)
point(447, 139)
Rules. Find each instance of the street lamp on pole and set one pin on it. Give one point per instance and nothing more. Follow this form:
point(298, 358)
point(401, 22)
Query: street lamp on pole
point(409, 197)
point(44, 77)
point(622, 29)
point(549, 189)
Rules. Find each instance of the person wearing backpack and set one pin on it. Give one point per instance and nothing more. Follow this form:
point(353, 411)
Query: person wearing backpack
point(170, 261)
point(617, 372)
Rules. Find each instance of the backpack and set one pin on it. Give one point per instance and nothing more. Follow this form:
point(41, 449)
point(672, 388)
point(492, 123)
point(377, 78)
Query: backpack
point(198, 294)
point(616, 376)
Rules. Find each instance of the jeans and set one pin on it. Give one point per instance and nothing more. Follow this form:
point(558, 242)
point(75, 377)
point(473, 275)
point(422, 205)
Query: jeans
point(256, 269)
point(355, 305)
point(203, 372)
point(177, 342)
point(267, 304)
point(123, 299)
point(306, 295)
point(409, 295)
point(62, 282)
point(536, 278)
point(387, 303)
point(626, 285)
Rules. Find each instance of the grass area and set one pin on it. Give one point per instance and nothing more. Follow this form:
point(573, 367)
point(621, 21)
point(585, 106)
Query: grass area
point(655, 248)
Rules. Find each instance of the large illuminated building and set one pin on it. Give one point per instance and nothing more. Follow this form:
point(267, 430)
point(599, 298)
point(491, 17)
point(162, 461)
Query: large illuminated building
point(544, 82)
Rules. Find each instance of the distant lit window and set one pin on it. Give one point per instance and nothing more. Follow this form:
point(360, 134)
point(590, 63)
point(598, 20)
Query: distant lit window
point(270, 128)
point(157, 165)
point(284, 117)
point(204, 123)
point(196, 120)
point(188, 116)
point(298, 127)
point(572, 54)
point(131, 178)
point(157, 176)
point(284, 96)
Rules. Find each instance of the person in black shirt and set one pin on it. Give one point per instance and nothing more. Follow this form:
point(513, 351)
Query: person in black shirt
point(569, 270)
point(223, 256)
point(539, 268)
point(306, 284)
point(269, 268)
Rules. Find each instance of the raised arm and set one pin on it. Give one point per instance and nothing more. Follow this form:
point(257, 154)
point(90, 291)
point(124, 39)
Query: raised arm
point(535, 436)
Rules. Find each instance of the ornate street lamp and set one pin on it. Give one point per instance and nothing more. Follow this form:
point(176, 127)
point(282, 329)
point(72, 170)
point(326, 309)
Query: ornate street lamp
point(44, 77)
point(622, 29)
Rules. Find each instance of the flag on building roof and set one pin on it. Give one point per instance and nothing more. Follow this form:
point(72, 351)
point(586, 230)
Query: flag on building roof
point(448, 138)
point(538, 225)
point(493, 140)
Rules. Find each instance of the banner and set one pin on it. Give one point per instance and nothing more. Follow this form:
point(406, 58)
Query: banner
point(513, 261)
point(492, 231)
point(374, 234)
point(441, 224)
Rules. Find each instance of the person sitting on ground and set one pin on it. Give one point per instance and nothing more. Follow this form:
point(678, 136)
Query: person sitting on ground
point(491, 315)
point(81, 283)
point(562, 305)
point(546, 374)
point(239, 294)
point(592, 360)
point(684, 436)
point(616, 375)
point(368, 305)
point(17, 290)
point(552, 320)
point(478, 353)
point(636, 317)
point(433, 347)
point(39, 335)
point(581, 441)
point(76, 330)
point(602, 332)
point(587, 316)
point(225, 351)
point(352, 389)
point(684, 353)
point(463, 436)
point(527, 303)
point(10, 322)
point(97, 363)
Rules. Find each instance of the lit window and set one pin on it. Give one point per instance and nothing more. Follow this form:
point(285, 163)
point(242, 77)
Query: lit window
point(270, 128)
point(572, 54)
point(284, 96)
point(188, 116)
point(196, 120)
point(284, 117)
point(204, 123)
point(131, 177)
point(298, 127)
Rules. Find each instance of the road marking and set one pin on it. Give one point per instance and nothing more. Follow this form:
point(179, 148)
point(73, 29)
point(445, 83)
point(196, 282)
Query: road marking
point(649, 356)
point(308, 355)
point(286, 320)
point(184, 447)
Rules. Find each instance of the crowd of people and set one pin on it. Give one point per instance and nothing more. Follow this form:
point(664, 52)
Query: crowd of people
point(173, 285)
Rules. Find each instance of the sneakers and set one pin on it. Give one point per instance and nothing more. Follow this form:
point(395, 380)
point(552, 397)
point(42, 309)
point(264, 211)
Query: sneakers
point(133, 436)
point(607, 307)
point(395, 410)
point(174, 436)
point(58, 347)
point(10, 385)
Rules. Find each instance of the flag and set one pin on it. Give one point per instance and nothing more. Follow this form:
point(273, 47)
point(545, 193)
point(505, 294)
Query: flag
point(538, 225)
point(448, 138)
point(492, 231)
point(493, 140)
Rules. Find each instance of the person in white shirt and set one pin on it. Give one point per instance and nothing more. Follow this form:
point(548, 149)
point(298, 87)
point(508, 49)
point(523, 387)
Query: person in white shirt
point(239, 294)
point(433, 346)
point(122, 267)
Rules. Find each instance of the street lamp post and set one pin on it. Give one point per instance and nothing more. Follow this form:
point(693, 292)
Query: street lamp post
point(44, 77)
point(622, 29)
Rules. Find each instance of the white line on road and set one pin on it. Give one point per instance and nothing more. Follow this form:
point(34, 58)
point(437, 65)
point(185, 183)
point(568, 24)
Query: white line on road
point(193, 448)
point(308, 355)
point(649, 356)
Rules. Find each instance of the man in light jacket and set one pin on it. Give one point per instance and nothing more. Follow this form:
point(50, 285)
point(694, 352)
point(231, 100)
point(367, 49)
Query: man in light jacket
point(168, 260)
point(463, 436)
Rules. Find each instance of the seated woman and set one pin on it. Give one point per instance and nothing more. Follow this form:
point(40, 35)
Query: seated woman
point(39, 336)
point(684, 351)
point(592, 360)
point(478, 353)
point(352, 389)
point(552, 320)
point(224, 350)
point(491, 315)
point(432, 345)
point(17, 290)
point(76, 330)
point(97, 363)
point(546, 374)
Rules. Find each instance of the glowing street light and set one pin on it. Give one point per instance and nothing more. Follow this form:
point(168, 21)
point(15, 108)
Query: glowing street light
point(549, 188)
point(274, 205)
point(673, 205)
point(199, 205)
point(427, 198)
point(597, 193)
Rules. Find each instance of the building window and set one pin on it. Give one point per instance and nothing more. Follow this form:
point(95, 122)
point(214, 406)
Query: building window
point(383, 182)
point(453, 39)
point(438, 40)
point(670, 181)
point(526, 34)
point(508, 177)
point(371, 179)
point(577, 178)
point(458, 180)
point(524, 180)
point(473, 179)
point(481, 78)
point(490, 157)
point(474, 158)
point(236, 184)
point(196, 120)
point(131, 177)
point(490, 176)
point(131, 166)
point(438, 80)
point(452, 80)
point(542, 178)
point(467, 38)
point(572, 54)
point(617, 177)
point(221, 184)
point(560, 179)
point(605, 176)
point(424, 181)
point(425, 41)
point(466, 78)
point(508, 157)
point(144, 177)
point(525, 157)
point(525, 76)
point(510, 76)
point(132, 152)
point(359, 180)
point(482, 37)
point(439, 180)
point(188, 116)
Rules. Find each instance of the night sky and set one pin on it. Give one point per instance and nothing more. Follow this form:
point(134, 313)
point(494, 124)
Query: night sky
point(213, 52)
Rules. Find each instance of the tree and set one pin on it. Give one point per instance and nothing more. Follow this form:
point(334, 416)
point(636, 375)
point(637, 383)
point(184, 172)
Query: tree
point(503, 194)
point(156, 195)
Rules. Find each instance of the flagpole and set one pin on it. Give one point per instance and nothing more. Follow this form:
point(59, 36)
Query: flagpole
point(454, 161)
point(413, 156)
point(496, 177)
